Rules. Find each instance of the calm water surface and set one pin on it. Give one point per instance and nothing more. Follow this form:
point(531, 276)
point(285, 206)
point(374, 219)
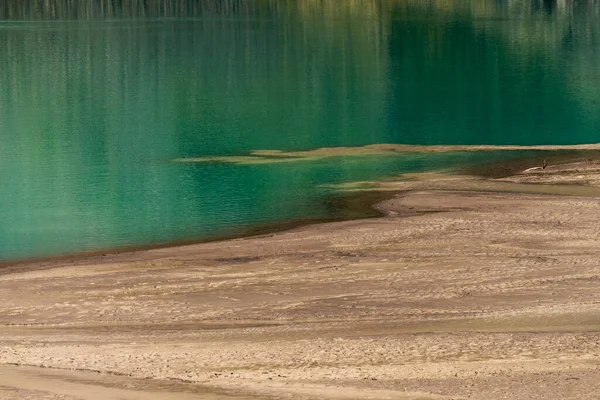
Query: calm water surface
point(94, 106)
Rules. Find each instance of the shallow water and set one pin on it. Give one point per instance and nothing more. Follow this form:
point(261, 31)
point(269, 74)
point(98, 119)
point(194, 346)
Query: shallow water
point(96, 103)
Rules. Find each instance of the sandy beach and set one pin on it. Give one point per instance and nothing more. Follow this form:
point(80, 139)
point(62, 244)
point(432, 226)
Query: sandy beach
point(466, 287)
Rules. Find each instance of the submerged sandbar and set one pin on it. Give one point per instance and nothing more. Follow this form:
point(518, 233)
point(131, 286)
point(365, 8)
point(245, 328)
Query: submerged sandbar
point(281, 156)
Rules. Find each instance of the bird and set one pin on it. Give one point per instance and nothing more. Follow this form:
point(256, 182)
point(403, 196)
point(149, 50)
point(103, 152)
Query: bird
point(544, 165)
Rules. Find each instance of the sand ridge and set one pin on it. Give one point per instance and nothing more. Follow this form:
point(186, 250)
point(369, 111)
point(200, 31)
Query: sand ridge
point(382, 149)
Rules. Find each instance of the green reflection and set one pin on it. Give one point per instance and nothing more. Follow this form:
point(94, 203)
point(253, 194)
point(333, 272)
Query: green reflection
point(96, 98)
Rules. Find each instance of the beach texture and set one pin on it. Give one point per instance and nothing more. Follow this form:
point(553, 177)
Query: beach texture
point(450, 294)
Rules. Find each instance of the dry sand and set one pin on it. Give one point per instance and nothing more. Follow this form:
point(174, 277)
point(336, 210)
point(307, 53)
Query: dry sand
point(450, 295)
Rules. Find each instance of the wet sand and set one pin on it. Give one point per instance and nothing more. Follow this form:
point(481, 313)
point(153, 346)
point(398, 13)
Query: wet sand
point(466, 288)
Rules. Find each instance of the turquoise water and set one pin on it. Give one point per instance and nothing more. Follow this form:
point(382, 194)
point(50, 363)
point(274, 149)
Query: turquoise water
point(95, 105)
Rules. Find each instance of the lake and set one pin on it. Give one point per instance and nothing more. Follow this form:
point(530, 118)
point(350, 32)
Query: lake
point(100, 104)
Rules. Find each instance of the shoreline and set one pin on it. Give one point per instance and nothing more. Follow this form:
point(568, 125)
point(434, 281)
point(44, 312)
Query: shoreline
point(351, 205)
point(348, 206)
point(451, 294)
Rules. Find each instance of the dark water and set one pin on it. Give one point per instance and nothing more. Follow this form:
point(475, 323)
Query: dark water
point(95, 102)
